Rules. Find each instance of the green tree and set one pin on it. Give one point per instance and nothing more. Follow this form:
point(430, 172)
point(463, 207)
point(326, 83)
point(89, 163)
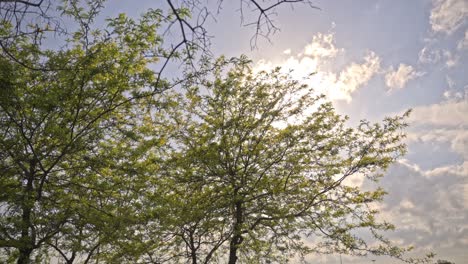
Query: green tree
point(62, 185)
point(98, 165)
point(261, 166)
point(75, 151)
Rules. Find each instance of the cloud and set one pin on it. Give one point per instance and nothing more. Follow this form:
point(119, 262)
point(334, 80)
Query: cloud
point(448, 15)
point(287, 52)
point(397, 79)
point(322, 46)
point(314, 60)
point(455, 139)
point(444, 124)
point(455, 169)
point(335, 86)
point(463, 43)
point(448, 94)
point(450, 59)
point(355, 75)
point(298, 68)
point(427, 55)
point(429, 208)
point(460, 144)
point(449, 113)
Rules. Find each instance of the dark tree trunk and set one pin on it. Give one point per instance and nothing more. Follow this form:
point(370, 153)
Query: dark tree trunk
point(27, 237)
point(26, 248)
point(72, 258)
point(193, 249)
point(237, 238)
point(25, 256)
point(194, 258)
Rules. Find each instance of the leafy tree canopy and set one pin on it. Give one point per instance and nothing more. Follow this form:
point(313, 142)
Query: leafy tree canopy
point(103, 159)
point(261, 167)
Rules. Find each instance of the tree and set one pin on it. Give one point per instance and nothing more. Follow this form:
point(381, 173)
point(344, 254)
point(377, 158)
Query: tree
point(65, 187)
point(262, 164)
point(100, 162)
point(54, 126)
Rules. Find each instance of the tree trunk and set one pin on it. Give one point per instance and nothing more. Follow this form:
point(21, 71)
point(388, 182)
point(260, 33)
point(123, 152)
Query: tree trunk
point(193, 249)
point(26, 240)
point(237, 237)
point(24, 256)
point(72, 258)
point(27, 237)
point(194, 258)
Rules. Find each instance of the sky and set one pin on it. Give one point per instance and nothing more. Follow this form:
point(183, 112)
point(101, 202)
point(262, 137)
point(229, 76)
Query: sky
point(375, 59)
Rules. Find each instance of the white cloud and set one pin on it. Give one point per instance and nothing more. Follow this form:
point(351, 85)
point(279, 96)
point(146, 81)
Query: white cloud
point(460, 144)
point(429, 208)
point(351, 78)
point(341, 86)
point(451, 85)
point(451, 113)
point(463, 43)
point(335, 85)
point(457, 138)
point(300, 67)
point(322, 46)
point(427, 55)
point(406, 204)
point(455, 169)
point(355, 180)
point(448, 15)
point(450, 59)
point(287, 52)
point(397, 79)
point(444, 122)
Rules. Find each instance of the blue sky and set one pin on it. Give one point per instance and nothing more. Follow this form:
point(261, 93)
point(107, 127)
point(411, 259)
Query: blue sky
point(375, 59)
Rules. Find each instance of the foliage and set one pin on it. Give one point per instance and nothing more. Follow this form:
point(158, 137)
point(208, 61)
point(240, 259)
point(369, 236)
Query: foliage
point(59, 182)
point(101, 161)
point(260, 172)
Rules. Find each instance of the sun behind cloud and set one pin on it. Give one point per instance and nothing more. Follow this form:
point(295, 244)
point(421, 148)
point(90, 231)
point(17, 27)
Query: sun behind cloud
point(309, 66)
